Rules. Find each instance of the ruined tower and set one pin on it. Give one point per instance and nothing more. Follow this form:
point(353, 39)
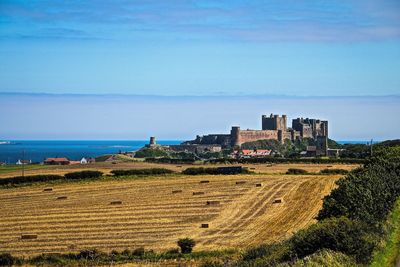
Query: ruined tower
point(235, 136)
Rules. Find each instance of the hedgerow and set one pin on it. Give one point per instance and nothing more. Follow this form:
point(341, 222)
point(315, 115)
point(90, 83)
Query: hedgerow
point(151, 171)
point(83, 175)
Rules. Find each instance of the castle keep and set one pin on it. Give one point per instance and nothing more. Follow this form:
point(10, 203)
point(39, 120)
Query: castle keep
point(274, 127)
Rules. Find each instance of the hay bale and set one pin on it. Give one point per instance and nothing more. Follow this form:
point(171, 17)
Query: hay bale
point(198, 193)
point(204, 225)
point(204, 181)
point(278, 200)
point(240, 182)
point(62, 197)
point(176, 191)
point(179, 166)
point(28, 236)
point(252, 168)
point(212, 202)
point(259, 185)
point(48, 189)
point(116, 202)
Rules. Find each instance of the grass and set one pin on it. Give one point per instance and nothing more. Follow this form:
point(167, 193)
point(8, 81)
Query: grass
point(18, 168)
point(387, 256)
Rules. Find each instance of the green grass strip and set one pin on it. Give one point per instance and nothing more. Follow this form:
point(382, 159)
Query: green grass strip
point(387, 256)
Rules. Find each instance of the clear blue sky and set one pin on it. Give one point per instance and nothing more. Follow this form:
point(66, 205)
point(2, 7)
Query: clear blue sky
point(179, 47)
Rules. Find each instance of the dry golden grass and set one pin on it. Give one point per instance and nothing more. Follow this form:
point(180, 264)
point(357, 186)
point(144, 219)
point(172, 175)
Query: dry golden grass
point(106, 167)
point(153, 217)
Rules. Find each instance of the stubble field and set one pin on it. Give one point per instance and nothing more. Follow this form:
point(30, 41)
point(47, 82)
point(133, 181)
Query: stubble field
point(152, 216)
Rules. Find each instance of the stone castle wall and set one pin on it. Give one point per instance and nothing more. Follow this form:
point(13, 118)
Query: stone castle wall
point(238, 137)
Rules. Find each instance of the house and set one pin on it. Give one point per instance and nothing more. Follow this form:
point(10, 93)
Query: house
point(74, 162)
point(249, 153)
point(57, 161)
point(311, 151)
point(332, 152)
point(23, 162)
point(87, 160)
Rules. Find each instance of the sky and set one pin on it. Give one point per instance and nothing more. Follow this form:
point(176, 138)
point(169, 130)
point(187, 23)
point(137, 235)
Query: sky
point(129, 69)
point(178, 47)
point(117, 117)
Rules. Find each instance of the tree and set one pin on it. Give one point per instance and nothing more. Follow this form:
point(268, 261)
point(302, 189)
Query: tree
point(186, 245)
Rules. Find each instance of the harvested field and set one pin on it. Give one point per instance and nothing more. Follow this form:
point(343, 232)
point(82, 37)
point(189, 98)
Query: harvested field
point(151, 216)
point(106, 167)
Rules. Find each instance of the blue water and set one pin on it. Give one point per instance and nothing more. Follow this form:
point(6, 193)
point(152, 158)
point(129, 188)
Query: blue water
point(37, 151)
point(357, 142)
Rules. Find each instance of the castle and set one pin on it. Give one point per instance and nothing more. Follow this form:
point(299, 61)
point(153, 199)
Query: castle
point(274, 127)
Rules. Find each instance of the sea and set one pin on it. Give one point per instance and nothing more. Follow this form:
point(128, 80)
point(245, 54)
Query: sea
point(36, 151)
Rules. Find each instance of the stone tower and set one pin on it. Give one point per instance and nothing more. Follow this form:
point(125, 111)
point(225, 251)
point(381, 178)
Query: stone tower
point(274, 122)
point(235, 136)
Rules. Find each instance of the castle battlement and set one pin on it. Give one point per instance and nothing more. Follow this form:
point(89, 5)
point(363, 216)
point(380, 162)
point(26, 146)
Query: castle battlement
point(274, 127)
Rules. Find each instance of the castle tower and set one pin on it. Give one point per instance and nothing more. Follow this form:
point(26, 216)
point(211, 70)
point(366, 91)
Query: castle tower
point(235, 136)
point(274, 122)
point(152, 141)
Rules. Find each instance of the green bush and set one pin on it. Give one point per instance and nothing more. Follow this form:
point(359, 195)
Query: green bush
point(323, 258)
point(215, 171)
point(296, 171)
point(334, 171)
point(30, 179)
point(83, 175)
point(366, 194)
point(272, 159)
point(171, 160)
point(148, 152)
point(200, 170)
point(186, 245)
point(350, 237)
point(271, 253)
point(6, 259)
point(138, 252)
point(152, 171)
point(91, 254)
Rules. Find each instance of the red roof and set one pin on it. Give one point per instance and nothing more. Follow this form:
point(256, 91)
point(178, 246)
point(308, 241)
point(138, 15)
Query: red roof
point(256, 152)
point(56, 160)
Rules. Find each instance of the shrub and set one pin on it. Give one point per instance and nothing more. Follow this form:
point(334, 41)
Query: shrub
point(147, 152)
point(215, 171)
point(366, 194)
point(353, 238)
point(50, 259)
point(296, 171)
point(30, 179)
point(151, 171)
point(170, 160)
point(334, 171)
point(201, 170)
point(90, 254)
point(138, 252)
point(83, 175)
point(6, 259)
point(186, 245)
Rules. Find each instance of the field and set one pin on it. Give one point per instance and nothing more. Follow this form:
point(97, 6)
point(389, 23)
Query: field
point(106, 167)
point(146, 212)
